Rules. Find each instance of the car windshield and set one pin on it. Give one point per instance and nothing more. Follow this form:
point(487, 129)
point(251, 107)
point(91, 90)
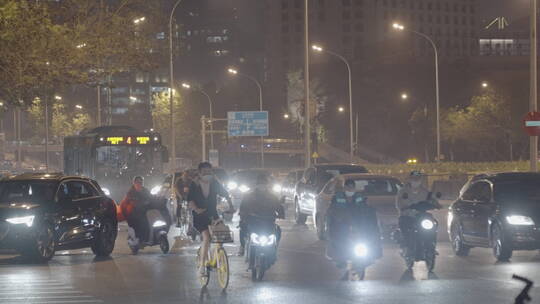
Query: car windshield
point(36, 192)
point(517, 190)
point(249, 177)
point(376, 186)
point(332, 171)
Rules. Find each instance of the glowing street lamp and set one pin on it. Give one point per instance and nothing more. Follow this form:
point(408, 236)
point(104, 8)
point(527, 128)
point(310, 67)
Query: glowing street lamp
point(79, 107)
point(58, 97)
point(485, 84)
point(404, 96)
point(232, 71)
point(286, 116)
point(341, 109)
point(139, 20)
point(187, 86)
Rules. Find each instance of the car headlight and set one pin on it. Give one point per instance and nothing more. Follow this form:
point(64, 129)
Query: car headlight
point(263, 240)
point(244, 188)
point(519, 220)
point(232, 186)
point(27, 220)
point(155, 190)
point(361, 250)
point(276, 188)
point(159, 223)
point(427, 224)
point(106, 191)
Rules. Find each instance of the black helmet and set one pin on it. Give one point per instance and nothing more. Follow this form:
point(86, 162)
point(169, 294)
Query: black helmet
point(138, 179)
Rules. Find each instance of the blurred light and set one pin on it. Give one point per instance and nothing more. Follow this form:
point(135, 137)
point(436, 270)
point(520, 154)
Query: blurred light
point(133, 98)
point(79, 107)
point(412, 161)
point(286, 116)
point(186, 85)
point(404, 96)
point(232, 71)
point(341, 109)
point(139, 20)
point(398, 26)
point(57, 97)
point(485, 84)
point(317, 48)
point(80, 46)
point(242, 146)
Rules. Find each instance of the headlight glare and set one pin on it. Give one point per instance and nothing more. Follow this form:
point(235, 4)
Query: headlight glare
point(244, 188)
point(263, 240)
point(427, 224)
point(155, 190)
point(159, 223)
point(106, 191)
point(232, 186)
point(361, 250)
point(27, 220)
point(276, 188)
point(519, 220)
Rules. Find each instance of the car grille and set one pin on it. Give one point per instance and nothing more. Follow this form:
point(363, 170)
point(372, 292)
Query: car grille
point(4, 227)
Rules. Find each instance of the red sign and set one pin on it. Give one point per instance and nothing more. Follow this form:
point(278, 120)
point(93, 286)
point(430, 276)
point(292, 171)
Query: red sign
point(531, 123)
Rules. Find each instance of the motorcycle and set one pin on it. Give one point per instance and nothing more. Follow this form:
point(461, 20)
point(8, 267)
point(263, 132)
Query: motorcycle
point(261, 245)
point(423, 236)
point(362, 255)
point(157, 236)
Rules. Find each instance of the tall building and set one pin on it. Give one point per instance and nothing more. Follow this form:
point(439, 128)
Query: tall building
point(361, 30)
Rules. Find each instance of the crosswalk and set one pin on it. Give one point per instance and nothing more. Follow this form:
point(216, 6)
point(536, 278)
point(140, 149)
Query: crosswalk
point(29, 289)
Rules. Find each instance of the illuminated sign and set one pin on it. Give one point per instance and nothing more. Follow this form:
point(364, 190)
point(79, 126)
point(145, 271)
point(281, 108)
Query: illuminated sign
point(129, 140)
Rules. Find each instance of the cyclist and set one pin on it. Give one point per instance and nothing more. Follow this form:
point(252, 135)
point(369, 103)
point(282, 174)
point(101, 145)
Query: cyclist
point(202, 198)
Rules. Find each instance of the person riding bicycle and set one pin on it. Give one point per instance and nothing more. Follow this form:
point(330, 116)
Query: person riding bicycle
point(181, 190)
point(349, 214)
point(261, 202)
point(202, 198)
point(412, 193)
point(134, 207)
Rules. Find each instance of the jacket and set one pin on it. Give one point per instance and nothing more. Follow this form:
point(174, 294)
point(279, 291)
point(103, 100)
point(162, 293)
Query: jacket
point(261, 203)
point(134, 201)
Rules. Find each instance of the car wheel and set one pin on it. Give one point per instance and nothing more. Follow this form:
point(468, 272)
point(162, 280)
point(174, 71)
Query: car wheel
point(456, 238)
point(43, 249)
point(105, 239)
point(164, 244)
point(501, 249)
point(321, 227)
point(299, 217)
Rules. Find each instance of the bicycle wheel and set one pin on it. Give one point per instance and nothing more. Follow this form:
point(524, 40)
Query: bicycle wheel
point(203, 279)
point(222, 268)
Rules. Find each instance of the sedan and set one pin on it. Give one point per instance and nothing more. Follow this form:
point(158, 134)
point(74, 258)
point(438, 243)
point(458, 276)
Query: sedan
point(380, 191)
point(499, 211)
point(41, 213)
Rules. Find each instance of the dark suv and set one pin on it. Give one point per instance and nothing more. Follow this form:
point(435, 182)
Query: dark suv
point(41, 213)
point(313, 181)
point(500, 211)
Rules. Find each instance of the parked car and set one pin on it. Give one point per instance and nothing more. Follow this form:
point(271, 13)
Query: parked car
point(288, 186)
point(311, 184)
point(41, 213)
point(499, 211)
point(380, 190)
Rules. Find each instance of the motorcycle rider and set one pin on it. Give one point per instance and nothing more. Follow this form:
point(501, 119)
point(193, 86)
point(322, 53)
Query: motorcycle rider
point(413, 192)
point(260, 202)
point(134, 207)
point(349, 212)
point(202, 198)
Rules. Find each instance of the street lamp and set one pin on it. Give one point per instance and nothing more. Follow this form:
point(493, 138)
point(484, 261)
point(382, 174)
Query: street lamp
point(484, 84)
point(57, 97)
point(286, 116)
point(319, 49)
point(79, 107)
point(400, 27)
point(341, 109)
point(139, 20)
point(235, 72)
point(187, 86)
point(80, 46)
point(171, 95)
point(404, 96)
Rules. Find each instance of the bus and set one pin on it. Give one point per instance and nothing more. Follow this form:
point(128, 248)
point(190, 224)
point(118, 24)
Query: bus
point(113, 155)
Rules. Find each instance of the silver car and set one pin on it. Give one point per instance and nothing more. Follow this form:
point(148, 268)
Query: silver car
point(380, 190)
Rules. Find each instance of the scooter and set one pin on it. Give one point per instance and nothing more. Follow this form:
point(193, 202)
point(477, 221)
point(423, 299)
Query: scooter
point(261, 245)
point(361, 257)
point(423, 240)
point(158, 233)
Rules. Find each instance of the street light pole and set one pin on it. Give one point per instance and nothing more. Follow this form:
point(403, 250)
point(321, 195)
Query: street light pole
point(235, 72)
point(211, 119)
point(307, 111)
point(171, 93)
point(402, 28)
point(533, 105)
point(351, 137)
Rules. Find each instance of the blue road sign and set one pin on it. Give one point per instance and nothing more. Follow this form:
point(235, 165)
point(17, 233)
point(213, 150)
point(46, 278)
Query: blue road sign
point(249, 123)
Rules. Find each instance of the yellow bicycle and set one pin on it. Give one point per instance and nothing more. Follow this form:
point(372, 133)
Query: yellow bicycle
point(217, 259)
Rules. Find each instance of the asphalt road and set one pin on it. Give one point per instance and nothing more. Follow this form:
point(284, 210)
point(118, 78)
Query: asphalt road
point(301, 275)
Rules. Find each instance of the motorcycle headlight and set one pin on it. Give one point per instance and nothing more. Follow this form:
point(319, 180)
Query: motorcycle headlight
point(519, 220)
point(276, 188)
point(361, 250)
point(263, 240)
point(27, 220)
point(244, 188)
point(232, 186)
point(427, 224)
point(106, 191)
point(159, 223)
point(155, 190)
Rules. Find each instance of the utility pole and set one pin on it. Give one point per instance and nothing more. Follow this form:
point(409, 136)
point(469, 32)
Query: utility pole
point(533, 105)
point(307, 134)
point(203, 134)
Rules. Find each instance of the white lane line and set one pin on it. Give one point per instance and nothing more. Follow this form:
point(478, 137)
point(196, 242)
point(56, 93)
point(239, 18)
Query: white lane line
point(67, 301)
point(33, 288)
point(44, 297)
point(43, 292)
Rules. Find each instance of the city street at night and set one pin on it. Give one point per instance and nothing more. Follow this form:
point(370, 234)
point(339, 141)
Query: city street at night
point(302, 274)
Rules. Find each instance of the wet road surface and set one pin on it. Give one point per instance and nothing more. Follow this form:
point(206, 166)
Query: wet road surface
point(302, 274)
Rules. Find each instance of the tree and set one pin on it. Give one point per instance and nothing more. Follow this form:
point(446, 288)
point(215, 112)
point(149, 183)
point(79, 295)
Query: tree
point(187, 126)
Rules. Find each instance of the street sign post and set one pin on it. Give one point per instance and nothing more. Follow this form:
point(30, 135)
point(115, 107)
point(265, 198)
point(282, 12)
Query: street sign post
point(531, 123)
point(248, 123)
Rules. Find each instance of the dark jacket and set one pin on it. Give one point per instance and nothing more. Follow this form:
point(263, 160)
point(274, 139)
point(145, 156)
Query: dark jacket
point(344, 217)
point(209, 203)
point(261, 203)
